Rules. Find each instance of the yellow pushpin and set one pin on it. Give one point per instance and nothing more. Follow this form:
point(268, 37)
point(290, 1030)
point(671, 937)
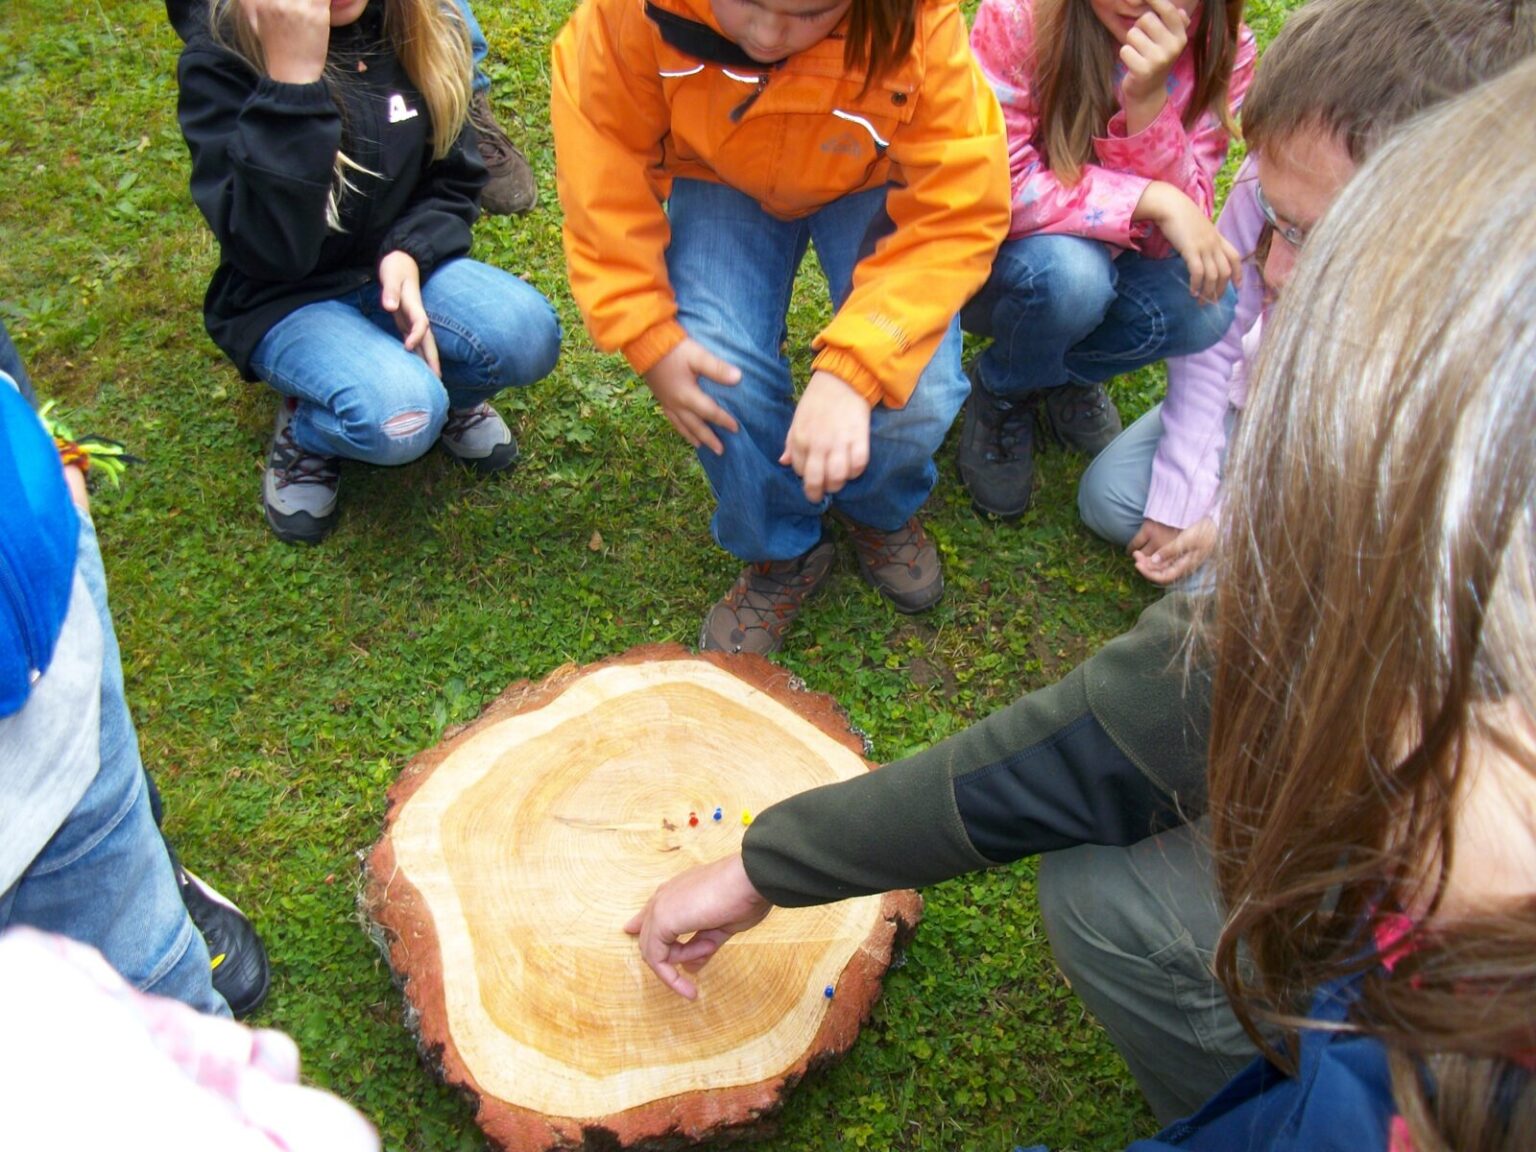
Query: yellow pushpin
point(746, 817)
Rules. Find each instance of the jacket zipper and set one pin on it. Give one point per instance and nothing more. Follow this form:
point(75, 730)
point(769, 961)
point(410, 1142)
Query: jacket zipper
point(741, 109)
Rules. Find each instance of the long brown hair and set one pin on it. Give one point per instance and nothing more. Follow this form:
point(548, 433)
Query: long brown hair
point(428, 38)
point(1074, 70)
point(1374, 629)
point(880, 35)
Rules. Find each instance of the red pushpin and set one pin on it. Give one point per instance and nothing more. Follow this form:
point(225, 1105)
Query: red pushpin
point(693, 819)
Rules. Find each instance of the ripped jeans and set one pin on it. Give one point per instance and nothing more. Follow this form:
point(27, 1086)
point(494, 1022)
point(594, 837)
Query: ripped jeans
point(363, 396)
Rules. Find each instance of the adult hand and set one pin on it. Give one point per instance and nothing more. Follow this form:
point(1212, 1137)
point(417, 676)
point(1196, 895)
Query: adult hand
point(294, 35)
point(708, 904)
point(1164, 561)
point(828, 441)
point(400, 293)
point(1151, 47)
point(674, 381)
point(1212, 261)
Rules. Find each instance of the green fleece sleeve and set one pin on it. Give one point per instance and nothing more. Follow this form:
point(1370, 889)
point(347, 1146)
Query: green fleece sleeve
point(1108, 755)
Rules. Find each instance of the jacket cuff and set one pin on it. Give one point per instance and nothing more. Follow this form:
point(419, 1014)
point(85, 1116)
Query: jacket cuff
point(300, 97)
point(842, 365)
point(644, 353)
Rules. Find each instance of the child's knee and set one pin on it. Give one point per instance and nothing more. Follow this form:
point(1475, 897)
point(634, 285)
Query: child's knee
point(400, 432)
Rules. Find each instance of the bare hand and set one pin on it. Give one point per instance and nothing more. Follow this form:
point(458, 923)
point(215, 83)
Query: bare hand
point(708, 904)
point(78, 491)
point(1212, 261)
point(828, 441)
point(1151, 47)
point(295, 36)
point(400, 293)
point(1164, 555)
point(674, 381)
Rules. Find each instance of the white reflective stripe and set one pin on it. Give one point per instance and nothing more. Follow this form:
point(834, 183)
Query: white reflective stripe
point(863, 123)
point(742, 79)
point(685, 72)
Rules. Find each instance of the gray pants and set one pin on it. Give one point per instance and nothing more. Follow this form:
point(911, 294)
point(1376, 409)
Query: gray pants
point(1134, 930)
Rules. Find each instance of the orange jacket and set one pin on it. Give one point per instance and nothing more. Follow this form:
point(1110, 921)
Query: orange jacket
point(631, 112)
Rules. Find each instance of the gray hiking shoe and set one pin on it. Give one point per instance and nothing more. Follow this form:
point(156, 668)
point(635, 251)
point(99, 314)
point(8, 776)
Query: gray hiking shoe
point(903, 566)
point(298, 490)
point(997, 450)
point(512, 188)
point(1081, 416)
point(479, 438)
point(764, 601)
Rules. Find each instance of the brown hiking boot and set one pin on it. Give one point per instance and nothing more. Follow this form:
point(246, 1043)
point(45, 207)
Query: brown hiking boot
point(764, 601)
point(511, 189)
point(902, 565)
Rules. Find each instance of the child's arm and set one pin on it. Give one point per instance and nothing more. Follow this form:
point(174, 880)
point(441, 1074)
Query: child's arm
point(262, 156)
point(435, 225)
point(1165, 150)
point(609, 117)
point(1186, 470)
point(948, 202)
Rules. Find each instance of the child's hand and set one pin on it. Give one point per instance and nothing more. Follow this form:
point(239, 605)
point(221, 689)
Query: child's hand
point(1151, 47)
point(828, 441)
point(400, 293)
point(1212, 261)
point(674, 381)
point(294, 35)
point(708, 904)
point(1163, 554)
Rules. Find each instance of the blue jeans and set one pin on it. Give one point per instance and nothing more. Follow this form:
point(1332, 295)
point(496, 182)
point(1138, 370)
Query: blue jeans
point(732, 267)
point(477, 46)
point(1062, 309)
point(363, 396)
point(105, 877)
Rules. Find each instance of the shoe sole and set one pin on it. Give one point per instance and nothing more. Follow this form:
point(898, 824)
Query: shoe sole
point(299, 527)
point(502, 458)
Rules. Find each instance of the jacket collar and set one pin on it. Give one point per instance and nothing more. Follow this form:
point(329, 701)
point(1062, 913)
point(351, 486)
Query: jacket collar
point(701, 41)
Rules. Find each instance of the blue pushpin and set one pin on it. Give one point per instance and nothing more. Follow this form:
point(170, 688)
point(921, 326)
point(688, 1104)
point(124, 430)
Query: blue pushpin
point(719, 815)
point(829, 991)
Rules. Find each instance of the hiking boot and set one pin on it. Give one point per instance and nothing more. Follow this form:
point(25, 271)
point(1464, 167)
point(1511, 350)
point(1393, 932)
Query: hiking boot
point(997, 450)
point(240, 971)
point(479, 438)
point(1081, 416)
point(298, 491)
point(511, 188)
point(903, 566)
point(764, 601)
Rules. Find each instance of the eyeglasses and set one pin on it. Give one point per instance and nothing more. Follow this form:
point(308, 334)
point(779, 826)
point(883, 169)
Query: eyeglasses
point(1292, 235)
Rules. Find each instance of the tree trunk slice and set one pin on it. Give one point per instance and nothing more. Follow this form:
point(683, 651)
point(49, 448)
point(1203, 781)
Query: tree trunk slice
point(515, 851)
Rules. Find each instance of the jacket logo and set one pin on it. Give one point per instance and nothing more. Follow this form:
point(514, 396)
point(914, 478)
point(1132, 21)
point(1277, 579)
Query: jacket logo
point(846, 144)
point(398, 110)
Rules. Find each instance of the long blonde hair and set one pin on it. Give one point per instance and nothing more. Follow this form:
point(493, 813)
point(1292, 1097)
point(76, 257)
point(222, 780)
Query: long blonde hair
point(1074, 69)
point(429, 39)
point(1375, 624)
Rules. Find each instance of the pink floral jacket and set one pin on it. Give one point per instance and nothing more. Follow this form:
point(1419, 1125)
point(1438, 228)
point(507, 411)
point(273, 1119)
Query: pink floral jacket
point(1100, 204)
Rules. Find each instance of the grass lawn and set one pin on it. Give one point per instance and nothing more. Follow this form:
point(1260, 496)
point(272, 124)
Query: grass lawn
point(278, 690)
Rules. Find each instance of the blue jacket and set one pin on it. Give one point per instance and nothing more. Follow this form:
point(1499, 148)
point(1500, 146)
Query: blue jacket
point(39, 533)
point(1340, 1100)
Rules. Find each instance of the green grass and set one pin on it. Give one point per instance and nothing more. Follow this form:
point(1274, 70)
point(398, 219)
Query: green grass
point(279, 690)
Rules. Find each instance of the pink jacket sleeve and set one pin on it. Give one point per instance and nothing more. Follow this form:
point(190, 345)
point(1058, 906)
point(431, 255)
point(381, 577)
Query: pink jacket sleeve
point(1187, 158)
point(1186, 470)
point(1100, 205)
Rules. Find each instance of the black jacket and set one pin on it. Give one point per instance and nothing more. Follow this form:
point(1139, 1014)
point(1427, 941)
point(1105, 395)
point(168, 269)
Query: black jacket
point(263, 159)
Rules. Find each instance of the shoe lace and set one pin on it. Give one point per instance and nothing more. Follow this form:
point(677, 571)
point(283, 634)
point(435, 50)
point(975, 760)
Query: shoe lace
point(1007, 422)
point(290, 464)
point(881, 549)
point(462, 420)
point(495, 146)
point(1074, 402)
point(769, 593)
